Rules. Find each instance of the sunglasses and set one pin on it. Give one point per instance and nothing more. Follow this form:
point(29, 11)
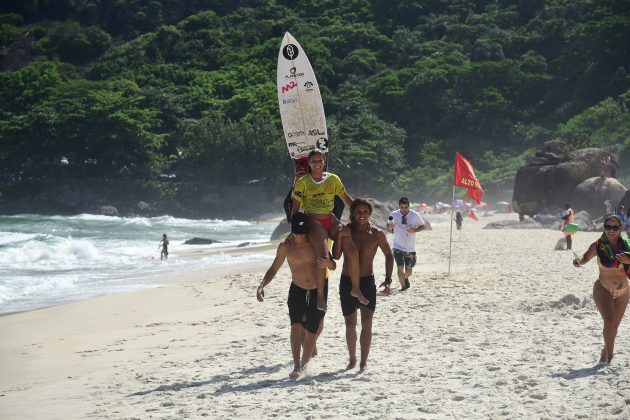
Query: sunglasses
point(612, 227)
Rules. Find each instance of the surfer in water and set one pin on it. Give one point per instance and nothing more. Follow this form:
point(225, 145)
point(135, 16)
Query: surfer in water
point(610, 290)
point(164, 244)
point(315, 192)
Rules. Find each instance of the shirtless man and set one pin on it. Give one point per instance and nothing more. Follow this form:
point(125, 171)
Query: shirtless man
point(303, 313)
point(368, 239)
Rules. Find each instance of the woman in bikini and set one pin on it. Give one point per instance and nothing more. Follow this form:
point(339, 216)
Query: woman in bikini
point(315, 193)
point(610, 290)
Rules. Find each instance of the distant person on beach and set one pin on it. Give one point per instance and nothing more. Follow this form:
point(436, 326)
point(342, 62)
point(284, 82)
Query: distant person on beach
point(567, 217)
point(315, 193)
point(303, 313)
point(405, 223)
point(164, 244)
point(459, 220)
point(607, 207)
point(621, 212)
point(606, 167)
point(368, 239)
point(610, 290)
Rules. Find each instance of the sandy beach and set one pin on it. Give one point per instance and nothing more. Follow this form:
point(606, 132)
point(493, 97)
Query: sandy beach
point(513, 332)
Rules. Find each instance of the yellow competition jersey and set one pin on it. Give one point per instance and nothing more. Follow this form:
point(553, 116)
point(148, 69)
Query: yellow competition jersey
point(317, 197)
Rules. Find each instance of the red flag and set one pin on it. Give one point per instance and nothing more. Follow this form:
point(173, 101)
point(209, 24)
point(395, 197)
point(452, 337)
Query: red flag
point(465, 177)
point(472, 215)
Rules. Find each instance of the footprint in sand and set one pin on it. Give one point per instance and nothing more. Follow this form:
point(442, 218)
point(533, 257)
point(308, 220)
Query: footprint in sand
point(538, 395)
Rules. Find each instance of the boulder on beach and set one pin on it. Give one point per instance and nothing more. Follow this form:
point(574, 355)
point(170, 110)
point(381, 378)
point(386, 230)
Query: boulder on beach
point(551, 177)
point(591, 194)
point(108, 211)
point(201, 241)
point(281, 231)
point(527, 223)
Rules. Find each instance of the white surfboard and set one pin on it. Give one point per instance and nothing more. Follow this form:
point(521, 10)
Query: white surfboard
point(301, 107)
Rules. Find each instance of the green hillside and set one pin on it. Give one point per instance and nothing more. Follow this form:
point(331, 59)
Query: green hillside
point(139, 88)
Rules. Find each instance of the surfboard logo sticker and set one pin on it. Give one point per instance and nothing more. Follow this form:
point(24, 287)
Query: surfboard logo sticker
point(290, 52)
point(322, 144)
point(289, 86)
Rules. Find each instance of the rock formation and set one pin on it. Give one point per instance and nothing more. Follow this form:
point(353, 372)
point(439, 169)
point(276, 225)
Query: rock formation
point(551, 176)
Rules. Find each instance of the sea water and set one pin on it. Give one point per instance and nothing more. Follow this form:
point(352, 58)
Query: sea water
point(49, 260)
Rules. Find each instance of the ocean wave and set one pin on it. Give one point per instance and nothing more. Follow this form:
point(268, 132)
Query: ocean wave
point(42, 248)
point(45, 259)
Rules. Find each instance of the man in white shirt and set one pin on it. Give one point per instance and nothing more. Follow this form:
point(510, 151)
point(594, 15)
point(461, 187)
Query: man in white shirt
point(405, 223)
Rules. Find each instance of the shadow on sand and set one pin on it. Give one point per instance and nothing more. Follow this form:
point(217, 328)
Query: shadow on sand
point(225, 387)
point(581, 373)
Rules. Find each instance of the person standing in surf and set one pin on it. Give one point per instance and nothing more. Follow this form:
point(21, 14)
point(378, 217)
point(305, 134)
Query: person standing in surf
point(315, 193)
point(164, 244)
point(306, 319)
point(368, 239)
point(610, 290)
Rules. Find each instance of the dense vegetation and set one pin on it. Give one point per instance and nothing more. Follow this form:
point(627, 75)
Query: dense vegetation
point(139, 88)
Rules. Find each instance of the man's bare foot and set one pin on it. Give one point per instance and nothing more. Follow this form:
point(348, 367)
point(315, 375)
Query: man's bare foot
point(321, 304)
point(362, 367)
point(359, 295)
point(604, 356)
point(351, 365)
point(387, 290)
point(295, 373)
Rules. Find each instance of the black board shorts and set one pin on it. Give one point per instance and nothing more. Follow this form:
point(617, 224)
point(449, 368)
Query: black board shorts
point(302, 305)
point(349, 303)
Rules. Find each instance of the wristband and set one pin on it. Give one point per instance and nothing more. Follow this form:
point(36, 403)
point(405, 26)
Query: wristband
point(388, 280)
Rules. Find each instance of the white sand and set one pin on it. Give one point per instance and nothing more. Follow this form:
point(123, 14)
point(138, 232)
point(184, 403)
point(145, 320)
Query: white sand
point(496, 339)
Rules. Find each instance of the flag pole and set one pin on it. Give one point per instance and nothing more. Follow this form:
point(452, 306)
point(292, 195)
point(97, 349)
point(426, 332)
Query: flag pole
point(450, 235)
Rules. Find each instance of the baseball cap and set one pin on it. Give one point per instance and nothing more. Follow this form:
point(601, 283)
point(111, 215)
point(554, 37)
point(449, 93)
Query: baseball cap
point(300, 224)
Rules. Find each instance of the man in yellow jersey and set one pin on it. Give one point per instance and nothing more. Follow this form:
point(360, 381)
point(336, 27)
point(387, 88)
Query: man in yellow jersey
point(315, 193)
